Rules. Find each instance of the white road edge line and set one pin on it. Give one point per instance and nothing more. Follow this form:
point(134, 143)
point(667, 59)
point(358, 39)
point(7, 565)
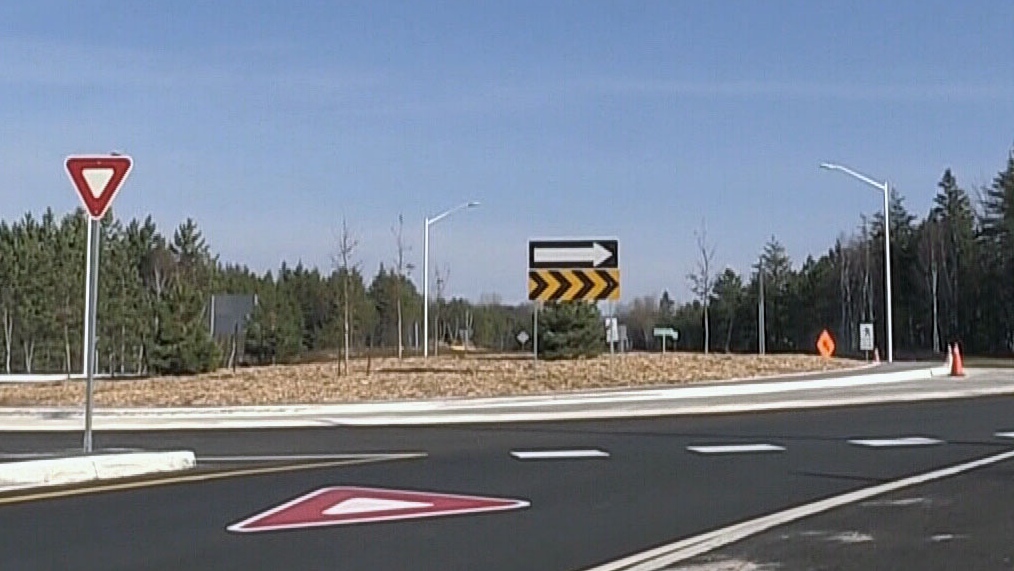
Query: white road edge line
point(888, 442)
point(558, 454)
point(735, 448)
point(1004, 434)
point(298, 457)
point(667, 555)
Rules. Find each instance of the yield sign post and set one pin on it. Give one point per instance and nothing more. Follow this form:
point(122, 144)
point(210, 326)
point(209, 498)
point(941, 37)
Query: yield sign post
point(97, 179)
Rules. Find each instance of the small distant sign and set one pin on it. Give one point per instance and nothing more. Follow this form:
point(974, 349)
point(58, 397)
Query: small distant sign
point(523, 337)
point(612, 330)
point(865, 336)
point(229, 314)
point(666, 332)
point(825, 344)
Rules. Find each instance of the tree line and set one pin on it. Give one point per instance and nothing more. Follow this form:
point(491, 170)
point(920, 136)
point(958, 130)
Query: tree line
point(953, 272)
point(155, 293)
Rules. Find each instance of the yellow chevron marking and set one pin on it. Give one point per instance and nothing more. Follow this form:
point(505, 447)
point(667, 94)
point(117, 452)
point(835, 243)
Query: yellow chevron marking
point(572, 284)
point(615, 274)
point(599, 287)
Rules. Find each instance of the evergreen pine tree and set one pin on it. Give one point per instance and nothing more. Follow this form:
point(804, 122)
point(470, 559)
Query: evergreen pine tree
point(570, 330)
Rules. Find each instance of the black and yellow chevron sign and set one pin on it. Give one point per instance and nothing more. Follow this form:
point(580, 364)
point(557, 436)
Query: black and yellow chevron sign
point(579, 284)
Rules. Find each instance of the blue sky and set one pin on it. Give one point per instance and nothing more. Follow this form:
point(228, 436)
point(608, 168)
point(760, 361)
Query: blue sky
point(269, 121)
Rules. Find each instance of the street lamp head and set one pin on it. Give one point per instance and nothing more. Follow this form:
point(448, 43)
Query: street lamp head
point(828, 166)
point(474, 203)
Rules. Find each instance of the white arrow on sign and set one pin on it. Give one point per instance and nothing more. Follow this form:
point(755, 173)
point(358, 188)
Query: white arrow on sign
point(596, 254)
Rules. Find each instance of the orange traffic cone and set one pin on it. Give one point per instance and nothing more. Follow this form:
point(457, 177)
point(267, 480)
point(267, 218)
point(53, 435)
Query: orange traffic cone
point(957, 367)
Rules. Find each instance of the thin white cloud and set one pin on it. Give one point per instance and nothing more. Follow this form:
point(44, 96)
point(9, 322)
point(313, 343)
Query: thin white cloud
point(857, 91)
point(268, 70)
point(35, 63)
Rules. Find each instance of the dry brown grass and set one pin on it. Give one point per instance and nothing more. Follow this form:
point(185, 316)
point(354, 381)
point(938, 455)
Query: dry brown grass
point(414, 378)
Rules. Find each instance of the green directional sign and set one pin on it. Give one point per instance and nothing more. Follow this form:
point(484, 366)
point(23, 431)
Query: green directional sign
point(666, 332)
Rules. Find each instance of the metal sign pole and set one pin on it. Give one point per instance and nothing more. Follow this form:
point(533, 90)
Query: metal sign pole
point(85, 356)
point(535, 328)
point(610, 333)
point(97, 179)
point(92, 287)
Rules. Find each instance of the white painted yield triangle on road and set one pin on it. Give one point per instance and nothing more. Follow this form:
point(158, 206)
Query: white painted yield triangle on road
point(371, 505)
point(97, 179)
point(895, 442)
point(349, 505)
point(736, 448)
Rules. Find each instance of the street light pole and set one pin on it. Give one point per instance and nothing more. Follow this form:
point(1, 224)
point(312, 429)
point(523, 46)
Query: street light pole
point(885, 188)
point(887, 269)
point(761, 334)
point(426, 269)
point(426, 289)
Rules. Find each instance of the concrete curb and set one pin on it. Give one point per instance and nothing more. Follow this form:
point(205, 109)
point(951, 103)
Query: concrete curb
point(79, 469)
point(616, 403)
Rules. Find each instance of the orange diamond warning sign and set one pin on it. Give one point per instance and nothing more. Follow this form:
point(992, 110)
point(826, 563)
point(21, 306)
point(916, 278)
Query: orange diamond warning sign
point(825, 344)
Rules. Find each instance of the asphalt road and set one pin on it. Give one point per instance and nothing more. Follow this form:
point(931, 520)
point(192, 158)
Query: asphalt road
point(650, 489)
point(965, 522)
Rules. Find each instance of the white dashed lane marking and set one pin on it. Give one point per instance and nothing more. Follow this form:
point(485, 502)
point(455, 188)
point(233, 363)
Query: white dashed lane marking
point(735, 448)
point(895, 442)
point(1004, 435)
point(558, 454)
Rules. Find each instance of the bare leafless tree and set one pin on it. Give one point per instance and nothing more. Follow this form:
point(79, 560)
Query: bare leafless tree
point(843, 261)
point(403, 268)
point(8, 329)
point(867, 280)
point(932, 246)
point(441, 280)
point(702, 282)
point(487, 299)
point(344, 262)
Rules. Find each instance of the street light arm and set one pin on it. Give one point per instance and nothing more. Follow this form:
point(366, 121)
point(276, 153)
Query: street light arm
point(447, 213)
point(426, 269)
point(879, 185)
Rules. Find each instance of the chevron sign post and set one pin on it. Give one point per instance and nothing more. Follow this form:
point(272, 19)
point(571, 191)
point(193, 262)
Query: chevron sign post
point(573, 270)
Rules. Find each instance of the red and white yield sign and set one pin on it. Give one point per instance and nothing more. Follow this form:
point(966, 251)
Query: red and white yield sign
point(98, 178)
point(344, 505)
